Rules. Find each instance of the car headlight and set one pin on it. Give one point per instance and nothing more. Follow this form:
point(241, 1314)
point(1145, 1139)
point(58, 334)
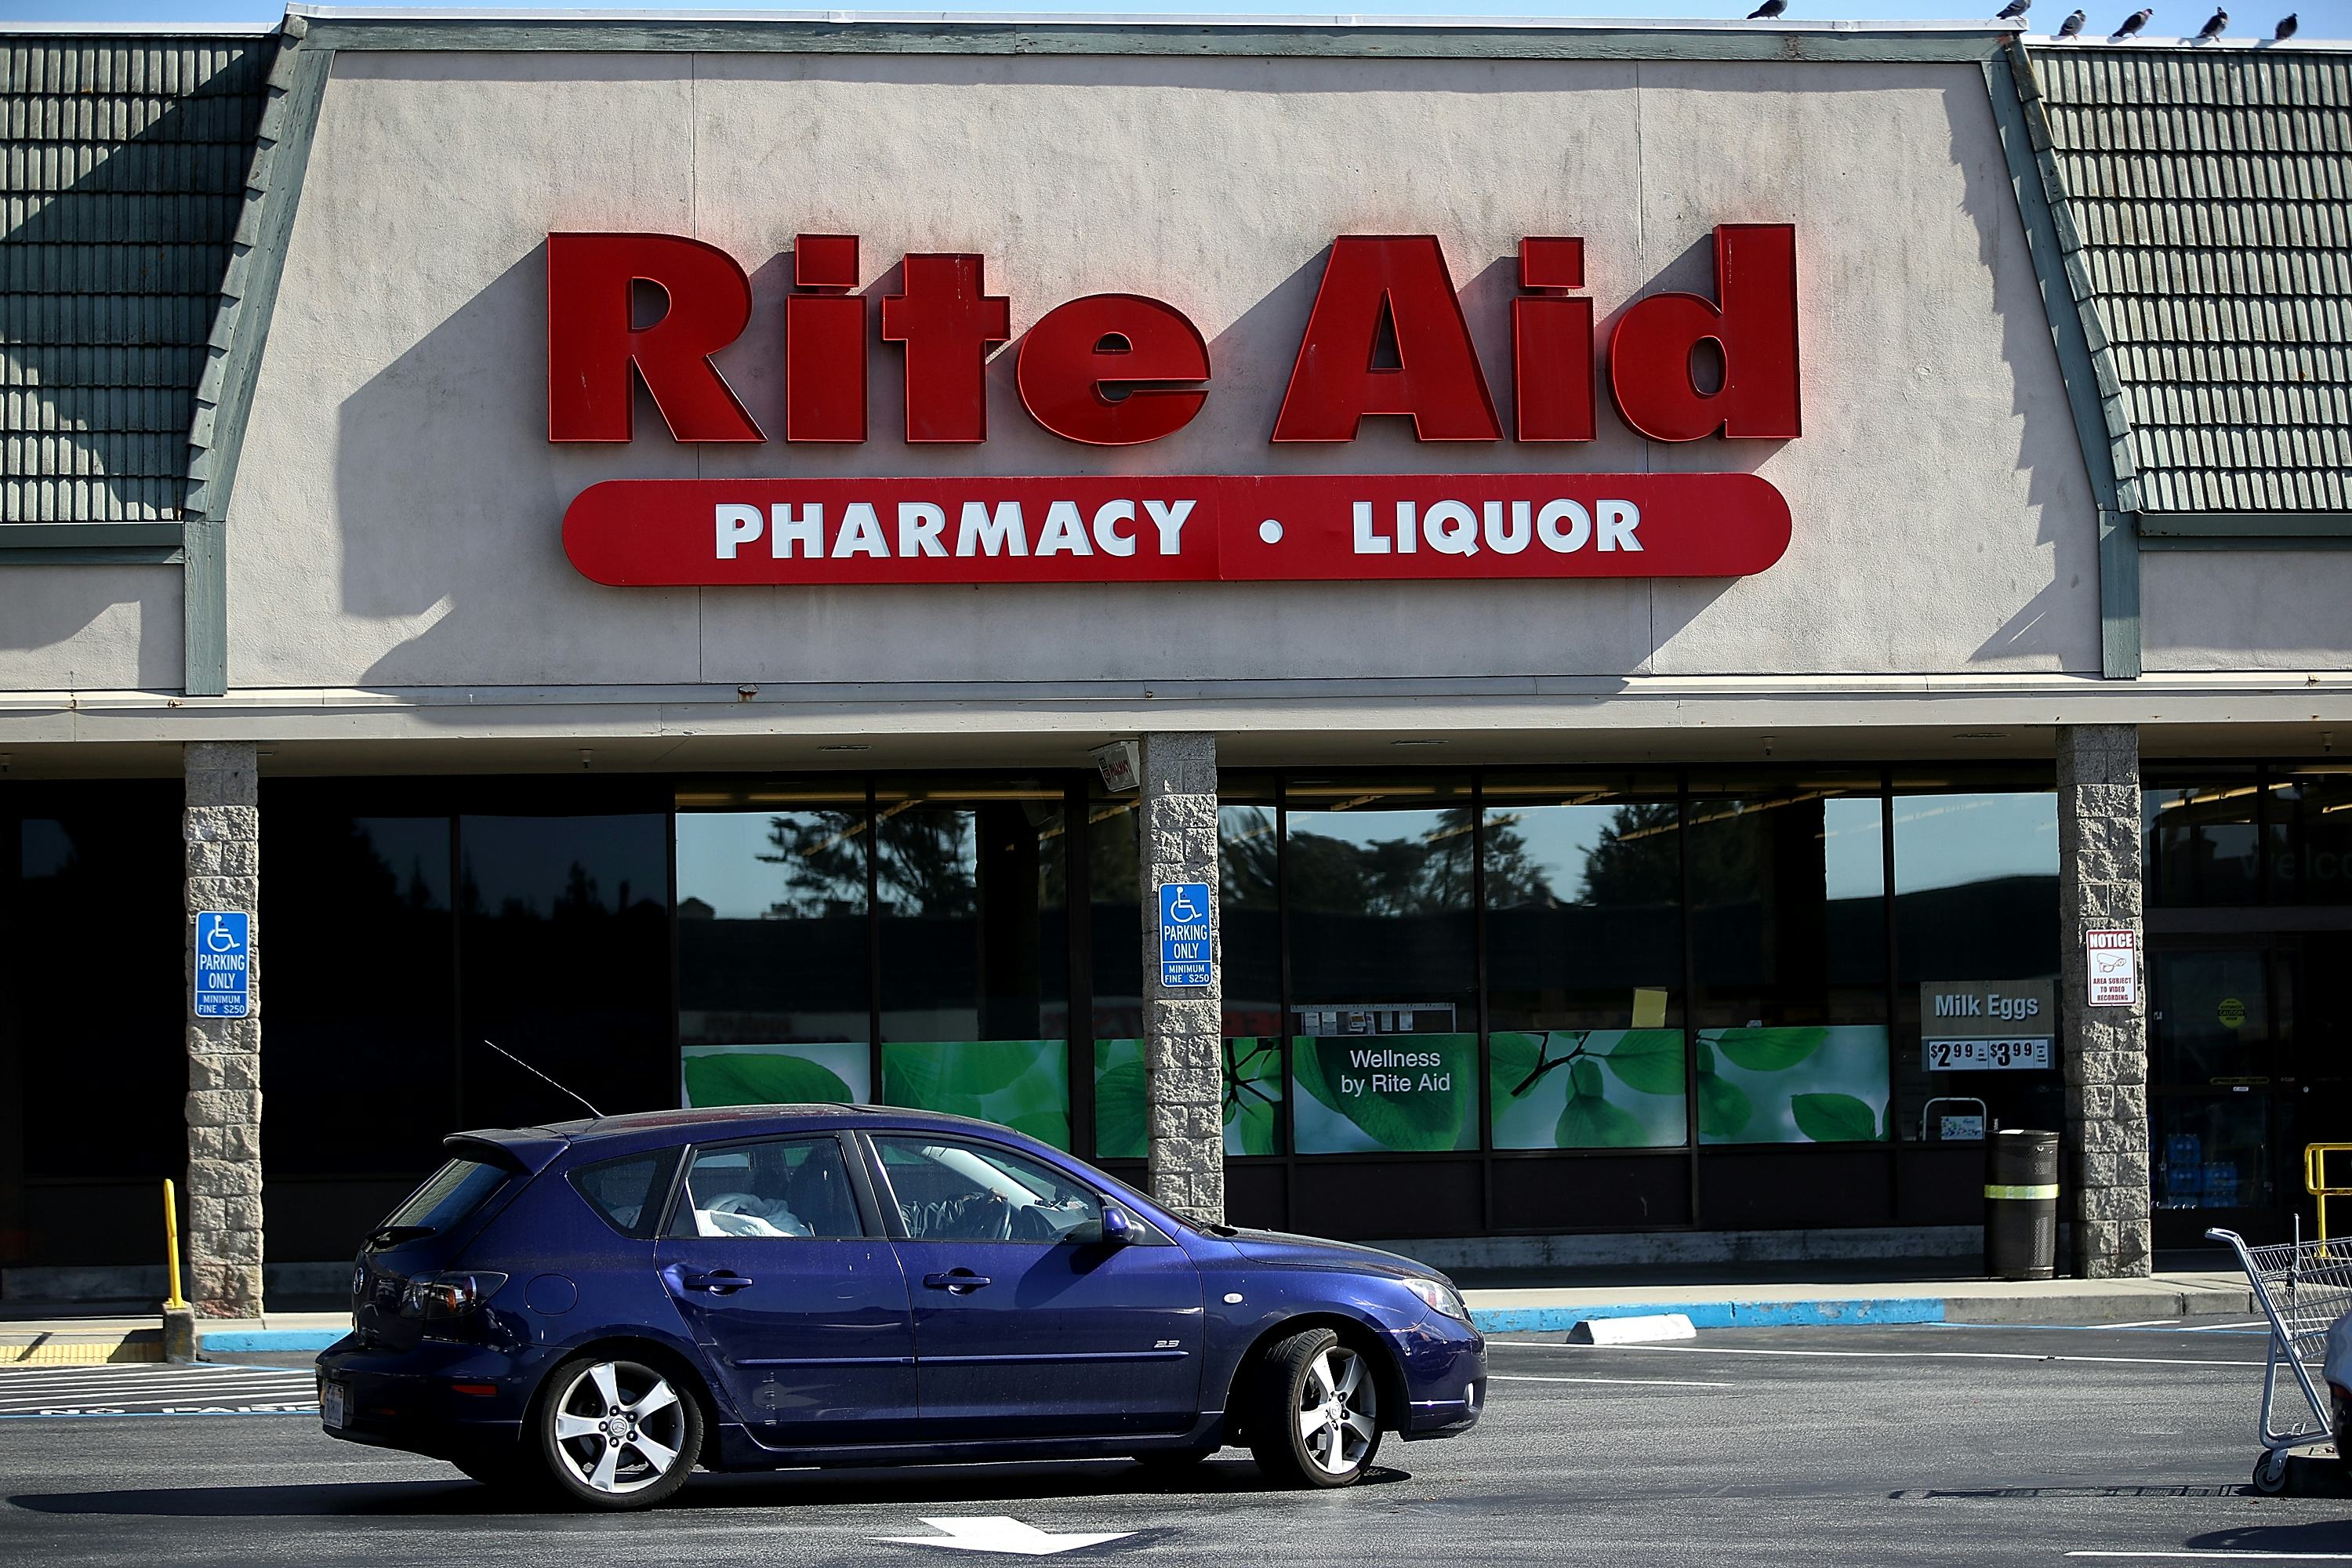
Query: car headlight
point(1440, 1297)
point(432, 1296)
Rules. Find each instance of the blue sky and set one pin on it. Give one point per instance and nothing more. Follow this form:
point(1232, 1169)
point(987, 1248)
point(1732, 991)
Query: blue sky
point(2321, 18)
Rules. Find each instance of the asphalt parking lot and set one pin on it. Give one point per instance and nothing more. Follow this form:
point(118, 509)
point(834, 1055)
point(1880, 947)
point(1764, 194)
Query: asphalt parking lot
point(1862, 1445)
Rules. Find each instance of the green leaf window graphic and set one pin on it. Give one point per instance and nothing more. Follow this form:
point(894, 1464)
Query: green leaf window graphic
point(1835, 1117)
point(1724, 1107)
point(1252, 1095)
point(1023, 1084)
point(1253, 1098)
point(1337, 1072)
point(1121, 1093)
point(1649, 1061)
point(764, 1078)
point(1769, 1050)
point(1589, 1121)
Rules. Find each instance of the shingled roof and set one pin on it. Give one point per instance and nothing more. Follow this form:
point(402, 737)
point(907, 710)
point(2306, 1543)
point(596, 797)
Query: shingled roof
point(2211, 198)
point(126, 160)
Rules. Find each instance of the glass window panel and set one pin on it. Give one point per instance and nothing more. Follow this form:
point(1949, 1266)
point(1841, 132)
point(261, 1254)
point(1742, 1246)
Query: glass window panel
point(2312, 855)
point(1975, 899)
point(1584, 963)
point(973, 881)
point(774, 989)
point(973, 1192)
point(2212, 1152)
point(784, 1188)
point(98, 926)
point(2199, 844)
point(1383, 964)
point(1788, 919)
point(564, 959)
point(351, 902)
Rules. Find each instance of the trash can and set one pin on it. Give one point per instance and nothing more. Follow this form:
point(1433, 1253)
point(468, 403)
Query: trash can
point(2022, 1204)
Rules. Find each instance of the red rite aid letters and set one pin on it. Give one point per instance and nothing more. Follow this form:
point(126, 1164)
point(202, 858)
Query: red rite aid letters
point(1385, 336)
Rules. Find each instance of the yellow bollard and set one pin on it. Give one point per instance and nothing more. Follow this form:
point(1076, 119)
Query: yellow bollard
point(172, 1247)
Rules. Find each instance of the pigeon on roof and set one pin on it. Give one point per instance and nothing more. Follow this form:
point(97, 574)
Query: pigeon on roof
point(1768, 10)
point(2285, 27)
point(2072, 26)
point(2132, 25)
point(2215, 26)
point(2013, 10)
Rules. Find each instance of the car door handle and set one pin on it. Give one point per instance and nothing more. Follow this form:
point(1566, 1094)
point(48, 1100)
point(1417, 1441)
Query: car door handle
point(962, 1282)
point(718, 1281)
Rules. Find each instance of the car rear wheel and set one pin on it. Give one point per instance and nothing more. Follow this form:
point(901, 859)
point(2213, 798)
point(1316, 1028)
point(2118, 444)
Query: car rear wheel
point(1313, 1416)
point(617, 1434)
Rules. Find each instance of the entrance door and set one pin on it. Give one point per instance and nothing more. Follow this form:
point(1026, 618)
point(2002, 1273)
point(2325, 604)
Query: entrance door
point(2220, 1156)
point(1027, 1322)
point(803, 1312)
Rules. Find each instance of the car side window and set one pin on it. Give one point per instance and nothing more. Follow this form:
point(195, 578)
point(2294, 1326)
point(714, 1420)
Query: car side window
point(947, 1190)
point(784, 1187)
point(628, 1192)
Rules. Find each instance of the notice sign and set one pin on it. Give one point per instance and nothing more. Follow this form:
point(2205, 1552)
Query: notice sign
point(1172, 527)
point(2113, 967)
point(1986, 1025)
point(224, 963)
point(1185, 934)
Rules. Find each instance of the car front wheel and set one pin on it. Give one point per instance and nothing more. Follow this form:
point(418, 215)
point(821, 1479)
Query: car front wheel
point(1313, 1417)
point(617, 1434)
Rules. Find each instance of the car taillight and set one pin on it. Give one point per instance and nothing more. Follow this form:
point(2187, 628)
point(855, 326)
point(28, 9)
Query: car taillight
point(443, 1296)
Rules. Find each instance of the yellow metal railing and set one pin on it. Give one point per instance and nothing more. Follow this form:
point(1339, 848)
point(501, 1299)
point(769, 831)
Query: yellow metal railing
point(2315, 1178)
point(172, 1247)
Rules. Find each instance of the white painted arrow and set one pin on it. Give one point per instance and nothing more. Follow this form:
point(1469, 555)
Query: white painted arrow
point(997, 1535)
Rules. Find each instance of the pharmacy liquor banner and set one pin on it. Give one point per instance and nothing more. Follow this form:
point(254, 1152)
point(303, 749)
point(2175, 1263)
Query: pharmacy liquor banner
point(1174, 529)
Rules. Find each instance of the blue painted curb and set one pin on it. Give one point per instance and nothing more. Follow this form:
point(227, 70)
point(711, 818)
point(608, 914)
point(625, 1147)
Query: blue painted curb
point(1715, 1314)
point(250, 1340)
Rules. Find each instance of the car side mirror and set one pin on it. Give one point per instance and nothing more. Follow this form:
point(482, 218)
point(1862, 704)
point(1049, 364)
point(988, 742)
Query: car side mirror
point(1117, 1230)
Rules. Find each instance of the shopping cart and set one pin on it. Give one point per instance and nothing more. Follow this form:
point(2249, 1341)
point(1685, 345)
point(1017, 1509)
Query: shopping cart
point(2302, 1288)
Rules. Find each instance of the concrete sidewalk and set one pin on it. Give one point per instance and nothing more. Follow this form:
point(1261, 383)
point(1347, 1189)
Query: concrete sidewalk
point(1526, 1309)
point(1734, 1305)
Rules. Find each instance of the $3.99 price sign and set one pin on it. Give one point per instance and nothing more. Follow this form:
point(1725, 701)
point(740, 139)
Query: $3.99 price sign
point(1945, 1055)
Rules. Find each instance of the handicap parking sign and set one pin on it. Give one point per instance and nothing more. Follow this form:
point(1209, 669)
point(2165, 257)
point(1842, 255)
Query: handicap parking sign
point(1185, 934)
point(224, 963)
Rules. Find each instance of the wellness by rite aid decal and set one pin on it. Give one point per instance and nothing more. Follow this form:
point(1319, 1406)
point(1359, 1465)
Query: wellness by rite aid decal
point(1386, 336)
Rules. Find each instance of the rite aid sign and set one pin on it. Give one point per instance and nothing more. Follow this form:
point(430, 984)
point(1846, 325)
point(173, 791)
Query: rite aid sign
point(1385, 336)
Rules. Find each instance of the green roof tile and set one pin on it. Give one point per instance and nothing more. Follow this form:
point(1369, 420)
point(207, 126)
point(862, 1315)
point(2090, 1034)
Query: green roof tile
point(122, 174)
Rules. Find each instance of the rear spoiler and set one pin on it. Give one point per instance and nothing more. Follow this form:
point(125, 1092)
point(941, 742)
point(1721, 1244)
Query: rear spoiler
point(526, 1151)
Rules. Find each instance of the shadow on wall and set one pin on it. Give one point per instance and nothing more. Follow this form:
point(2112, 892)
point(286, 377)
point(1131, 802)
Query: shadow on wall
point(2048, 452)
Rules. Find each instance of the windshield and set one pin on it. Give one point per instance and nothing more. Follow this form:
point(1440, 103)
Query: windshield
point(448, 1195)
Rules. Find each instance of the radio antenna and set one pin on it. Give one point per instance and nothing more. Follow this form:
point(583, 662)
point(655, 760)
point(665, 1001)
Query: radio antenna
point(541, 1075)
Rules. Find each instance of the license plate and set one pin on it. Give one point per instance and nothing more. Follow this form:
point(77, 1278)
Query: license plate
point(331, 1404)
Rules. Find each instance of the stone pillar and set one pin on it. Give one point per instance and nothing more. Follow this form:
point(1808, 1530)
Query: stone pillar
point(221, 834)
point(2104, 1052)
point(1183, 1026)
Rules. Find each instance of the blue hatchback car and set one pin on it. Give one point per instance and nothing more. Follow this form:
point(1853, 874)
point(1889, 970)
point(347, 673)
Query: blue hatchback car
point(594, 1308)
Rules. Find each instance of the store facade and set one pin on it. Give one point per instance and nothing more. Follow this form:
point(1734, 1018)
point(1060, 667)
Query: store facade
point(1606, 547)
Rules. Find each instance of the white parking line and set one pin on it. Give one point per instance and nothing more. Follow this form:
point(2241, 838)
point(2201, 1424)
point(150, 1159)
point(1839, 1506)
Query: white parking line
point(2224, 1556)
point(2215, 1328)
point(1618, 1382)
point(1873, 1356)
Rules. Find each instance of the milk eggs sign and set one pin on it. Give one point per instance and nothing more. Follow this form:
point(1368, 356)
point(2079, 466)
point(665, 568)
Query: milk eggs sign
point(1386, 336)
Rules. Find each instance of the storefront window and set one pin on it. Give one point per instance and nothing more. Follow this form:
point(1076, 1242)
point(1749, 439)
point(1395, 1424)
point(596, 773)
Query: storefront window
point(1788, 927)
point(1584, 967)
point(2201, 837)
point(563, 959)
point(2311, 859)
point(348, 899)
point(1382, 939)
point(1976, 910)
point(97, 925)
point(972, 900)
point(774, 988)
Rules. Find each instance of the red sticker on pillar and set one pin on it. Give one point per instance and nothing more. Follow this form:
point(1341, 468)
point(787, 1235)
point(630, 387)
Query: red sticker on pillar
point(1167, 529)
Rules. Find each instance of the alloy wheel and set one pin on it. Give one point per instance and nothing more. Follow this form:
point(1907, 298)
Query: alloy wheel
point(619, 1427)
point(1338, 1416)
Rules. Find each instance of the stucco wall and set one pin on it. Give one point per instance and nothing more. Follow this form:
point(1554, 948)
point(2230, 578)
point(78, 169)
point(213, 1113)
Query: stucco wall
point(396, 521)
point(89, 628)
point(2271, 609)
